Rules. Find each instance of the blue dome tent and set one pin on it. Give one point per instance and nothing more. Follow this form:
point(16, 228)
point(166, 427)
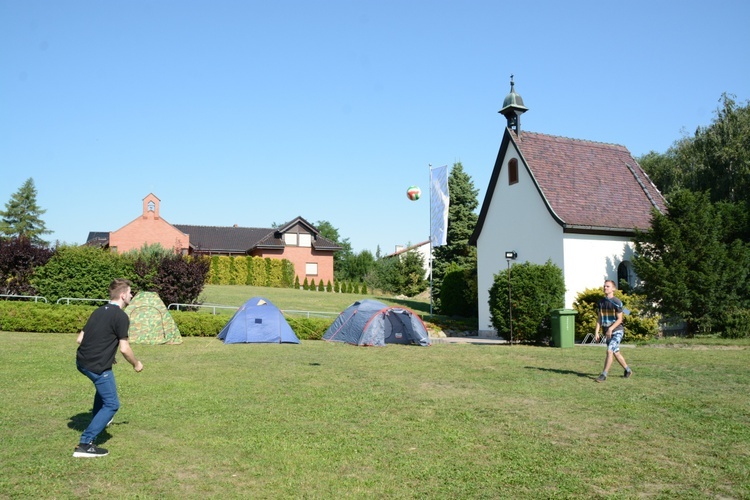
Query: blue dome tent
point(370, 322)
point(258, 321)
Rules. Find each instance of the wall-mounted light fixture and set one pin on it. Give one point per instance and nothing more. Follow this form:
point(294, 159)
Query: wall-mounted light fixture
point(510, 255)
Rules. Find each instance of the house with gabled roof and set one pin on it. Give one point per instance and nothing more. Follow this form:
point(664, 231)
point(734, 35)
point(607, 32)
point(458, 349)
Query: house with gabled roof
point(424, 249)
point(573, 202)
point(297, 241)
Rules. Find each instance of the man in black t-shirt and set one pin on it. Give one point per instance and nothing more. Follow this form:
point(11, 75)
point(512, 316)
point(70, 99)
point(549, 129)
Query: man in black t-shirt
point(106, 330)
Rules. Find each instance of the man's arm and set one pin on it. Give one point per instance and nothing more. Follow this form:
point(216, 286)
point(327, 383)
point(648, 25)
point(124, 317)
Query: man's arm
point(79, 339)
point(127, 353)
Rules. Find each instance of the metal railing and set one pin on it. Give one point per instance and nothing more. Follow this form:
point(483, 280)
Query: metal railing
point(67, 300)
point(213, 308)
point(209, 306)
point(307, 314)
point(36, 298)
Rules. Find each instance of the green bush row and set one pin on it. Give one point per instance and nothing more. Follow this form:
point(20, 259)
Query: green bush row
point(253, 271)
point(17, 316)
point(85, 271)
point(336, 287)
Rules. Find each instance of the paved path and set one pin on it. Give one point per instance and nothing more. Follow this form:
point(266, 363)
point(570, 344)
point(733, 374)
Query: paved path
point(468, 340)
point(496, 341)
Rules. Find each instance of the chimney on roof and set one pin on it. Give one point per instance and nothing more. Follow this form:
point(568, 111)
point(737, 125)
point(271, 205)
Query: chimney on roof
point(513, 108)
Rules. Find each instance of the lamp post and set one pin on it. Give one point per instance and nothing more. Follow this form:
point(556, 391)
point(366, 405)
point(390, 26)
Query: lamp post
point(511, 255)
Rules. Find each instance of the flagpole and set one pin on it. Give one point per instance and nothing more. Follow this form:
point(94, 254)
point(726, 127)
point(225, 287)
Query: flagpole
point(429, 214)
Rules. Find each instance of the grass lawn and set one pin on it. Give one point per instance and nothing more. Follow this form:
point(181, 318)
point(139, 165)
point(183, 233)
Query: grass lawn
point(291, 299)
point(326, 420)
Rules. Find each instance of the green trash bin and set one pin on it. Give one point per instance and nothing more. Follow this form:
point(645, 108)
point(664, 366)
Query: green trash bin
point(563, 327)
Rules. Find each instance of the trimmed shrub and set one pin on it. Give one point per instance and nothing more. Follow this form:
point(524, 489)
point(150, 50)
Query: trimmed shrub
point(275, 273)
point(238, 272)
point(639, 325)
point(223, 269)
point(313, 287)
point(38, 317)
point(309, 328)
point(305, 284)
point(296, 282)
point(458, 293)
point(329, 287)
point(250, 270)
point(214, 272)
point(259, 271)
point(535, 291)
point(82, 272)
point(21, 316)
point(194, 324)
point(321, 286)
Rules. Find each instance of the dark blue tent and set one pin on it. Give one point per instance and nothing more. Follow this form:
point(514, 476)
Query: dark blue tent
point(258, 320)
point(370, 322)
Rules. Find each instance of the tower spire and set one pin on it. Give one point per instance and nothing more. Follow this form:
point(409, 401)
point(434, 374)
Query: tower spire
point(513, 108)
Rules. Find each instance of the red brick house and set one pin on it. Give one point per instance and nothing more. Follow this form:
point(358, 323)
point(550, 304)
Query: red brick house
point(297, 241)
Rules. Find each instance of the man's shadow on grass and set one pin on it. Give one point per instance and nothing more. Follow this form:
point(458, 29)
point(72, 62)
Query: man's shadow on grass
point(562, 372)
point(82, 420)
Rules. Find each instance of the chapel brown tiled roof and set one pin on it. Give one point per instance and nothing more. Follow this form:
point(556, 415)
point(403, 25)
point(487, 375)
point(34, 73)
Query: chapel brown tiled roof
point(588, 186)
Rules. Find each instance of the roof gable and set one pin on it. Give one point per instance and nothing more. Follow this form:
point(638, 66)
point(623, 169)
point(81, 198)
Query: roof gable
point(298, 222)
point(588, 186)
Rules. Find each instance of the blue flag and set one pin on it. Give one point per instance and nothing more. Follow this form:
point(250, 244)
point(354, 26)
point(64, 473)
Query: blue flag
point(439, 201)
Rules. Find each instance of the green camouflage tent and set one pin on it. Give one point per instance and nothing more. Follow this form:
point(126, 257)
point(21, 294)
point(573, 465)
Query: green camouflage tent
point(150, 321)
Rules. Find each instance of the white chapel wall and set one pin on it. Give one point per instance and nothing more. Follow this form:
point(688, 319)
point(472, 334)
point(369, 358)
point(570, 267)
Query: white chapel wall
point(518, 220)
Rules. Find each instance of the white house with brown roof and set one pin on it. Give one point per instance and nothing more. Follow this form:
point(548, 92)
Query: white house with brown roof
point(574, 202)
point(297, 241)
point(424, 249)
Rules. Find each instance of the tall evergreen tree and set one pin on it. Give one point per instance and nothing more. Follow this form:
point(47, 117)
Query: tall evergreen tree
point(462, 219)
point(693, 264)
point(695, 260)
point(22, 215)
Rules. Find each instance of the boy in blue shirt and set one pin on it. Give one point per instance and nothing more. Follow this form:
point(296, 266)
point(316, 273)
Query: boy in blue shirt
point(610, 319)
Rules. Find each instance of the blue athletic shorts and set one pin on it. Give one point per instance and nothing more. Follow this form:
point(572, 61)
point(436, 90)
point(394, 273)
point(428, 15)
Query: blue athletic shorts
point(613, 343)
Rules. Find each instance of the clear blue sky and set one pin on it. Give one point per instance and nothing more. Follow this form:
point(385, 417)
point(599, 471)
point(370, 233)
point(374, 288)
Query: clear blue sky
point(254, 112)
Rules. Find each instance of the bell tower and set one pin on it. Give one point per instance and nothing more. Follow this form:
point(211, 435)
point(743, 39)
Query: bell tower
point(151, 207)
point(513, 108)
